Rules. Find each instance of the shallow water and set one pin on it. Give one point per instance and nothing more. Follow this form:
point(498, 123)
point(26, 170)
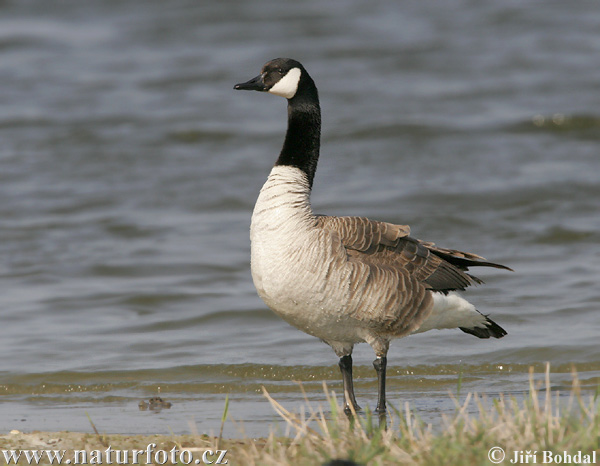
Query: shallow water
point(129, 169)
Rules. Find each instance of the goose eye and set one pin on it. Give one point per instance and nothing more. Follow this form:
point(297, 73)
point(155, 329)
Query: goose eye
point(279, 70)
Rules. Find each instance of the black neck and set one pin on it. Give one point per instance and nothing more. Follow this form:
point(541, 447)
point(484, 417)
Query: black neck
point(303, 137)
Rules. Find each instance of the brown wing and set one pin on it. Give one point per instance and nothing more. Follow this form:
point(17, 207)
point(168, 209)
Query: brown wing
point(388, 245)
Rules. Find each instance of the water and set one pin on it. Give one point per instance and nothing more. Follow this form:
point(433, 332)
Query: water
point(129, 169)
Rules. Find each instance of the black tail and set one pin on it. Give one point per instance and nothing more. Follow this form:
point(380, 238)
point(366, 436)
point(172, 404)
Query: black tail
point(464, 263)
point(491, 329)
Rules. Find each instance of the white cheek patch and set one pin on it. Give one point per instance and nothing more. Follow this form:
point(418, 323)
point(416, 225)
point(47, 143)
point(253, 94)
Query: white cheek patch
point(288, 85)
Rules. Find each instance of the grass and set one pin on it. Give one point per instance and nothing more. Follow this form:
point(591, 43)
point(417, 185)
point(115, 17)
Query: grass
point(543, 421)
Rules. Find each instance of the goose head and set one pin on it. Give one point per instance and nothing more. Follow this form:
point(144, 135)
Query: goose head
point(281, 76)
point(288, 78)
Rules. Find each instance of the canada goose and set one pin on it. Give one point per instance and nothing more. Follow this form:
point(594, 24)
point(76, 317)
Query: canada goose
point(346, 280)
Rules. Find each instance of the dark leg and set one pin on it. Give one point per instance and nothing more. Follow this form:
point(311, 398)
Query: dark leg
point(346, 369)
point(380, 364)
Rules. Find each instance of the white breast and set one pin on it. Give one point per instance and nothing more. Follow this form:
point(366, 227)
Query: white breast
point(298, 269)
point(280, 223)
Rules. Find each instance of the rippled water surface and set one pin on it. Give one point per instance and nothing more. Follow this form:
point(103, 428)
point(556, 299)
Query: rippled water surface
point(129, 169)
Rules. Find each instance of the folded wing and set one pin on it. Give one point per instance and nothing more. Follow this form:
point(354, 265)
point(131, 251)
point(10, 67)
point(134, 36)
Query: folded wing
point(389, 246)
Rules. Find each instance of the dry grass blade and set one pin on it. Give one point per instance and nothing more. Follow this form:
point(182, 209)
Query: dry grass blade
point(290, 418)
point(464, 438)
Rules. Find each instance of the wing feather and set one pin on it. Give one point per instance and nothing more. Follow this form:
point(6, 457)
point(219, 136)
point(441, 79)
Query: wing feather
point(388, 245)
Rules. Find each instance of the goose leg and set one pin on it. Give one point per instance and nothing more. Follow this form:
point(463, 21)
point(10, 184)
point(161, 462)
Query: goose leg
point(380, 364)
point(346, 370)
